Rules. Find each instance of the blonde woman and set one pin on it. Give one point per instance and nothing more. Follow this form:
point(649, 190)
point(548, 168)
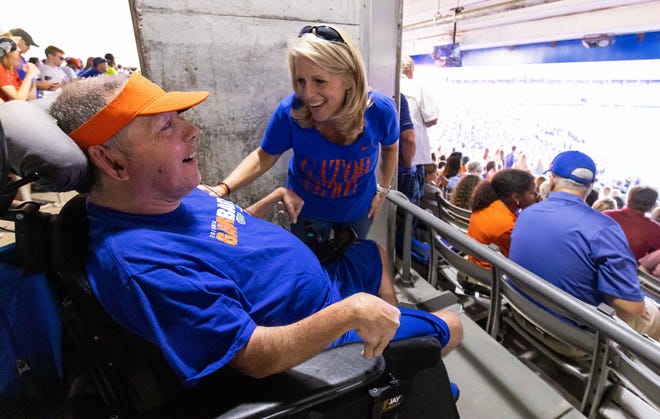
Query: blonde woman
point(336, 126)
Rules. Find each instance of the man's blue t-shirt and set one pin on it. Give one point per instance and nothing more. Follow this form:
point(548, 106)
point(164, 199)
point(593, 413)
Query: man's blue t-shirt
point(90, 72)
point(197, 281)
point(148, 272)
point(576, 248)
point(337, 182)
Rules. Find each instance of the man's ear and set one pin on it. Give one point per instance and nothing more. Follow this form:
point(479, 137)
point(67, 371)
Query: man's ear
point(553, 182)
point(109, 162)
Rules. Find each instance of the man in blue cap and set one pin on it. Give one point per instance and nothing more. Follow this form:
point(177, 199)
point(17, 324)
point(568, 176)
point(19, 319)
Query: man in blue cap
point(99, 66)
point(583, 252)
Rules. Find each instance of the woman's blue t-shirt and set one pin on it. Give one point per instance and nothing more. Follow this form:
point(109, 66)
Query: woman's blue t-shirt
point(337, 182)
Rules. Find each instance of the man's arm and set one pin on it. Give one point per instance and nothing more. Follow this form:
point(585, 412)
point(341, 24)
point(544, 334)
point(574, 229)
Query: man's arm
point(407, 147)
point(429, 108)
point(271, 350)
point(407, 135)
point(617, 272)
point(625, 309)
point(651, 263)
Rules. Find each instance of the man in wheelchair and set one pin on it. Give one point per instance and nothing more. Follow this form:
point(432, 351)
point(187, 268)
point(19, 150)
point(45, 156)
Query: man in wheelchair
point(203, 279)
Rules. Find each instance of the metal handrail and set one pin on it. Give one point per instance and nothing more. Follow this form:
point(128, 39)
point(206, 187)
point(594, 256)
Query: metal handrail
point(645, 349)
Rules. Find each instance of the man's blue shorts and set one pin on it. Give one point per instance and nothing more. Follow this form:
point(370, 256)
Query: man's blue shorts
point(413, 323)
point(349, 276)
point(358, 270)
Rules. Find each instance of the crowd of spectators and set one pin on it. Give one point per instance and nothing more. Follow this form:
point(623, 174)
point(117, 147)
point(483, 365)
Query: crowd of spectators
point(43, 76)
point(35, 78)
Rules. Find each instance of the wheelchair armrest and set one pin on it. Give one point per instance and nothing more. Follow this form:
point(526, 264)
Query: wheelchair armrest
point(405, 358)
point(323, 383)
point(320, 380)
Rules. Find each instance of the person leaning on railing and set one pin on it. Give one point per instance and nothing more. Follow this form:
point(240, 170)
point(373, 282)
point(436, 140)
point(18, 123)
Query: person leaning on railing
point(580, 250)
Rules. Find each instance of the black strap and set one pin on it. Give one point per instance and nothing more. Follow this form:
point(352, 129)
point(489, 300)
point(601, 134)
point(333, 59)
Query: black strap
point(330, 250)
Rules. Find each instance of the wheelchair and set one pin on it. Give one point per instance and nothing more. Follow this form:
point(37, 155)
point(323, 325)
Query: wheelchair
point(130, 375)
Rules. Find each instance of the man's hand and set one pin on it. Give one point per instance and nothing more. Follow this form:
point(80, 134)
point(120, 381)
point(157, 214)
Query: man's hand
point(377, 323)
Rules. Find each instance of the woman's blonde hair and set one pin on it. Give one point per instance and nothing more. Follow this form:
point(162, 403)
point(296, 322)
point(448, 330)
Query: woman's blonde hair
point(344, 60)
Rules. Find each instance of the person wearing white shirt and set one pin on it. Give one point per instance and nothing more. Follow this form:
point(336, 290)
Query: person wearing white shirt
point(424, 113)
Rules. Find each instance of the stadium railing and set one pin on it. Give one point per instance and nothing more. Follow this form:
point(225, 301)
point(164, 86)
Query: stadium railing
point(634, 360)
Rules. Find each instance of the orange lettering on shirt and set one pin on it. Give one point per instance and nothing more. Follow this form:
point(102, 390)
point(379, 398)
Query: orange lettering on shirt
point(226, 231)
point(336, 177)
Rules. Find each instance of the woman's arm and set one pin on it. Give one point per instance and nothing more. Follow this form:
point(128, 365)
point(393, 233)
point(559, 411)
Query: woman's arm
point(389, 155)
point(253, 166)
point(27, 89)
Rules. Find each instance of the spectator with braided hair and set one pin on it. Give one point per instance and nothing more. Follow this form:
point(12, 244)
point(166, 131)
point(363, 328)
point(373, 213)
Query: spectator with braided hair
point(495, 208)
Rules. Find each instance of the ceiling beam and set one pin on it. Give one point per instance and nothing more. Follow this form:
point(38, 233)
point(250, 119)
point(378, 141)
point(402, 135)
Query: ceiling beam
point(542, 23)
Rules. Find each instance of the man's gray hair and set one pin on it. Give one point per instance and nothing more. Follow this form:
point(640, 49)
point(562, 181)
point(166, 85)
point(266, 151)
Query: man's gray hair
point(83, 99)
point(565, 183)
point(583, 173)
point(474, 167)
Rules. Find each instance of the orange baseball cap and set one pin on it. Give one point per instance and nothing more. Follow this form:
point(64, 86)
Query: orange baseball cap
point(138, 97)
point(75, 60)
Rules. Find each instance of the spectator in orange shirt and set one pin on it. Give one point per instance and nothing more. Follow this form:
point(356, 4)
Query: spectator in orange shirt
point(495, 208)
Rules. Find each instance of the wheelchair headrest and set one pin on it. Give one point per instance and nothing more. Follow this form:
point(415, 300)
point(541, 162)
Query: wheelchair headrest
point(70, 236)
point(35, 144)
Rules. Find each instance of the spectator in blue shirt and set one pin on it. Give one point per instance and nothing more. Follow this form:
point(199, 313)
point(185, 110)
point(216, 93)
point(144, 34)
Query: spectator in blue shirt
point(583, 252)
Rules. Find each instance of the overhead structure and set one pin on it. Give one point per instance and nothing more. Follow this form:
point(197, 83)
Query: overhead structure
point(494, 23)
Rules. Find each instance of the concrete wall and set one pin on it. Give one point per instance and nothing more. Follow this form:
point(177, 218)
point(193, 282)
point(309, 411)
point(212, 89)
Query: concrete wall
point(235, 49)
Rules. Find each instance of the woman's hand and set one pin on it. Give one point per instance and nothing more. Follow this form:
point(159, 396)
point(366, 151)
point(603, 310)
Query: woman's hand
point(290, 204)
point(31, 70)
point(376, 203)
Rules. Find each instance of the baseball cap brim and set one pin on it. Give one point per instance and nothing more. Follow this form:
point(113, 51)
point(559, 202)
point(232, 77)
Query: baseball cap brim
point(174, 101)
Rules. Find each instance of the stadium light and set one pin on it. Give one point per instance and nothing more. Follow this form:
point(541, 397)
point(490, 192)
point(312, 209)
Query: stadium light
point(598, 41)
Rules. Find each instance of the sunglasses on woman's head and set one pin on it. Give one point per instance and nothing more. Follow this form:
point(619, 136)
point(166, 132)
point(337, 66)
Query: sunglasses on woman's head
point(323, 32)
